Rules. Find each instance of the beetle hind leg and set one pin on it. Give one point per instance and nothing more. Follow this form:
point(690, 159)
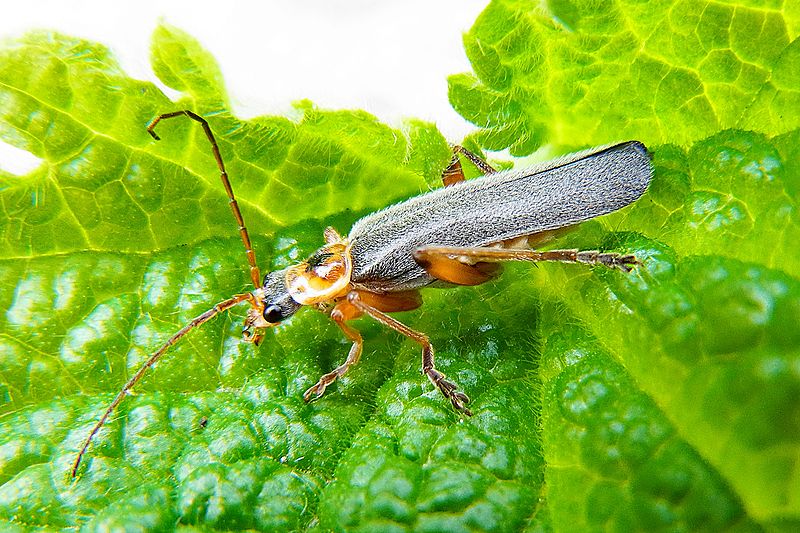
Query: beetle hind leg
point(434, 258)
point(445, 268)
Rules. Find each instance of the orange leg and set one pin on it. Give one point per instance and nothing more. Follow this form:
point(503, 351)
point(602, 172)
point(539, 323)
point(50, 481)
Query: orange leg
point(447, 388)
point(344, 311)
point(454, 173)
point(341, 313)
point(454, 271)
point(433, 255)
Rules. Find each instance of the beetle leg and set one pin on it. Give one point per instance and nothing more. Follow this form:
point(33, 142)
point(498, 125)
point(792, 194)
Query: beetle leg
point(447, 388)
point(431, 255)
point(475, 159)
point(391, 302)
point(342, 312)
point(454, 271)
point(454, 173)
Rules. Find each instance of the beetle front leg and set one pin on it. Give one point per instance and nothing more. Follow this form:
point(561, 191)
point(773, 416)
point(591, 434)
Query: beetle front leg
point(447, 388)
point(342, 312)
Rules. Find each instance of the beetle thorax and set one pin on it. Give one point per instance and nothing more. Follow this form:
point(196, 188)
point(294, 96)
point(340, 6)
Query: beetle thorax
point(323, 276)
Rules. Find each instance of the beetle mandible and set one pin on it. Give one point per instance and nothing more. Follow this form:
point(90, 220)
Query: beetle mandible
point(455, 235)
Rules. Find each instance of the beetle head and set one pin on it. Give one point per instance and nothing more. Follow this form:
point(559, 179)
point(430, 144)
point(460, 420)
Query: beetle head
point(271, 305)
point(318, 280)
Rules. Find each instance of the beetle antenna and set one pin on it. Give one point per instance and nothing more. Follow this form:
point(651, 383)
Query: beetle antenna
point(255, 274)
point(198, 320)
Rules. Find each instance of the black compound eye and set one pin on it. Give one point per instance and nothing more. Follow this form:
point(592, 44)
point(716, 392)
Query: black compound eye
point(273, 314)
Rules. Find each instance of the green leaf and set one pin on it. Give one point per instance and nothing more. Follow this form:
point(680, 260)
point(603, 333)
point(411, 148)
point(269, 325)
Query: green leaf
point(115, 241)
point(415, 465)
point(104, 185)
point(615, 461)
point(677, 403)
point(584, 72)
point(662, 399)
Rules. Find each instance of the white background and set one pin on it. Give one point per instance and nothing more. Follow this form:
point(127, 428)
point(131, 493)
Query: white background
point(389, 57)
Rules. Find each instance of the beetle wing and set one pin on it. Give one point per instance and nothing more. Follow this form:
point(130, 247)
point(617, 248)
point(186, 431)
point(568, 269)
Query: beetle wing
point(497, 207)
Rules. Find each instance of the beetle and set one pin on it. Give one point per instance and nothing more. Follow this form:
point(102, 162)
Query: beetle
point(455, 235)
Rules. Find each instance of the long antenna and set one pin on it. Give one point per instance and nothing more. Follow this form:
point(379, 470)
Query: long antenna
point(198, 320)
point(255, 274)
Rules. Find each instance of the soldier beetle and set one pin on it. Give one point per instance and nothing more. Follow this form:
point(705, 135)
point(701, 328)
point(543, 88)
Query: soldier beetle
point(455, 235)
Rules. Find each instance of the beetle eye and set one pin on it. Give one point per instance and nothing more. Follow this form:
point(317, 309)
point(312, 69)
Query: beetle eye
point(273, 314)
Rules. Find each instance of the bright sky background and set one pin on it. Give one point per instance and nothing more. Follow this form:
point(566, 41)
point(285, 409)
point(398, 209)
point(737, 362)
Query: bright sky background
point(390, 57)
